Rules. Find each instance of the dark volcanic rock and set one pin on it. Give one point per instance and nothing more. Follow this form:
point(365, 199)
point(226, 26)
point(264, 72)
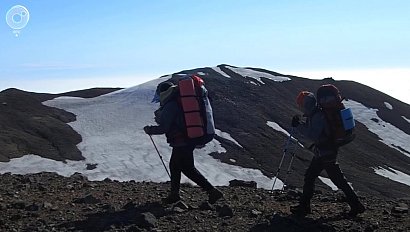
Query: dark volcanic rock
point(29, 127)
point(401, 208)
point(89, 199)
point(91, 166)
point(146, 220)
point(243, 183)
point(225, 211)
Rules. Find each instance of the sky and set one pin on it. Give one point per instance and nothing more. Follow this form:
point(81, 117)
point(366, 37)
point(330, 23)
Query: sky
point(71, 45)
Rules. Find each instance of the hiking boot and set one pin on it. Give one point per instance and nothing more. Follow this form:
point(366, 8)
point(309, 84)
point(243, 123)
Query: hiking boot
point(301, 210)
point(356, 208)
point(171, 198)
point(214, 195)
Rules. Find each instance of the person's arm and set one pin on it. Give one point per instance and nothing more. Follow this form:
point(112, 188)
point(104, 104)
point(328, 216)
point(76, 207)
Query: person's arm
point(167, 119)
point(313, 127)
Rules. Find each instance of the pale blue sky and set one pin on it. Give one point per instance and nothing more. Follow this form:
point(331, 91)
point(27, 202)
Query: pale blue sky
point(71, 45)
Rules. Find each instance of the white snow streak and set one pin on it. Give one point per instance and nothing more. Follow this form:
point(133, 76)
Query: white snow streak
point(276, 127)
point(257, 75)
point(388, 105)
point(388, 134)
point(394, 175)
point(328, 182)
point(408, 120)
point(227, 136)
point(219, 70)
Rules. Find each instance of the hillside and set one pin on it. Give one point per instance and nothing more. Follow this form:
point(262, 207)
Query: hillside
point(29, 127)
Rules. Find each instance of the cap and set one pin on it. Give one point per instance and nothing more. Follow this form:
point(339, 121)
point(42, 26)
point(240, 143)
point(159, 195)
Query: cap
point(301, 96)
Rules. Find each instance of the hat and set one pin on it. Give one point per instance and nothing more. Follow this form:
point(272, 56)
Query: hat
point(301, 96)
point(164, 86)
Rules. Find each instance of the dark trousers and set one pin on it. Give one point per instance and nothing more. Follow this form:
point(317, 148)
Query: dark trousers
point(182, 160)
point(332, 168)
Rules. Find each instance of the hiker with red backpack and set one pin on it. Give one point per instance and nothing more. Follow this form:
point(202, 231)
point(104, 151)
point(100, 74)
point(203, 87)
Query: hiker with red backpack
point(185, 117)
point(328, 127)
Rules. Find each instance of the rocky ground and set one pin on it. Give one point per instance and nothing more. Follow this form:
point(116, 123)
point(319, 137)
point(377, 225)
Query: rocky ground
point(48, 202)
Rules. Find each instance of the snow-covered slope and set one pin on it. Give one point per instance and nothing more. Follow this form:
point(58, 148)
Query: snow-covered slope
point(388, 134)
point(113, 138)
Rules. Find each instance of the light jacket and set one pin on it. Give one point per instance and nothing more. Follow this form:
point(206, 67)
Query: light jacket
point(170, 119)
point(316, 129)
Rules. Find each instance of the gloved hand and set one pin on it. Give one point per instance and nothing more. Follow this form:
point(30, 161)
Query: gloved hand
point(296, 121)
point(147, 130)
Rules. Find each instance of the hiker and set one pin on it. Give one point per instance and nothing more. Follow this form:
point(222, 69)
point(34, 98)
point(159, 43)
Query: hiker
point(317, 128)
point(170, 120)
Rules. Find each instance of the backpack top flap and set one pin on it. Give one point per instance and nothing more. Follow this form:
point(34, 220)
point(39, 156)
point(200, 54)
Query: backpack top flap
point(340, 120)
point(328, 96)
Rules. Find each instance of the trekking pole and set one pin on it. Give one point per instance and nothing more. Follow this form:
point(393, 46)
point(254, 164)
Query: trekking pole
point(283, 157)
point(166, 169)
point(293, 153)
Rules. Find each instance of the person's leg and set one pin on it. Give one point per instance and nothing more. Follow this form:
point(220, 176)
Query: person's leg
point(337, 177)
point(311, 174)
point(175, 166)
point(190, 171)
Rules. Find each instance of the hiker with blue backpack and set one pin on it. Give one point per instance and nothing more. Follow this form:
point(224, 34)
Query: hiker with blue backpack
point(185, 117)
point(328, 127)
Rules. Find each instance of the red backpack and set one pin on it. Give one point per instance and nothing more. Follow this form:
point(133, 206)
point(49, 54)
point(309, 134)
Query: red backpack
point(339, 118)
point(198, 116)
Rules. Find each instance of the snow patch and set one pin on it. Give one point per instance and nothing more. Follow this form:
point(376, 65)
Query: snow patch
point(144, 88)
point(388, 105)
point(35, 164)
point(276, 127)
point(408, 120)
point(388, 134)
point(68, 98)
point(219, 70)
point(227, 136)
point(328, 182)
point(393, 174)
point(201, 73)
point(257, 75)
point(232, 160)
